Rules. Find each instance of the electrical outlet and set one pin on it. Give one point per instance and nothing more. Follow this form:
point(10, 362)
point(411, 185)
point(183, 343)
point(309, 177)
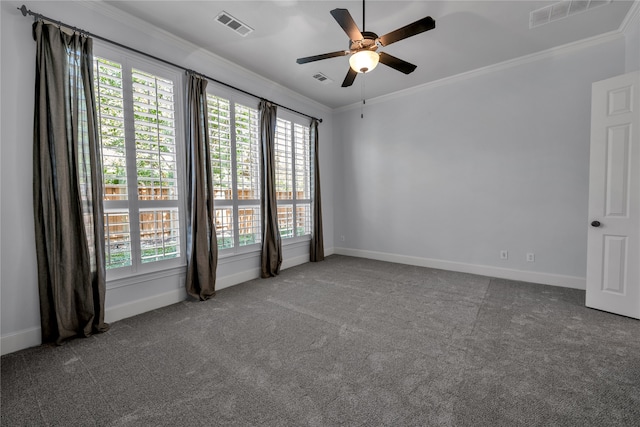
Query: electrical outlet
point(504, 254)
point(531, 257)
point(342, 238)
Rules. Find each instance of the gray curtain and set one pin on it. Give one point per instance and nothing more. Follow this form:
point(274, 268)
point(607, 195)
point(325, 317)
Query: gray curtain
point(316, 252)
point(271, 257)
point(67, 187)
point(202, 243)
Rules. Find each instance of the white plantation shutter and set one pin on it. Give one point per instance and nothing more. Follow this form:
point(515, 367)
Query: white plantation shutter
point(110, 106)
point(219, 111)
point(293, 178)
point(137, 113)
point(302, 140)
point(283, 158)
point(235, 161)
point(155, 137)
point(249, 225)
point(224, 227)
point(159, 234)
point(248, 153)
point(285, 220)
point(117, 238)
point(247, 164)
point(110, 111)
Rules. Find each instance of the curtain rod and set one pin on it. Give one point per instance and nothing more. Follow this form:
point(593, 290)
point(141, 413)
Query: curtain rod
point(26, 12)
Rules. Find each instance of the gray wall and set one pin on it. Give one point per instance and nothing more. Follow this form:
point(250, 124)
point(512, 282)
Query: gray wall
point(19, 296)
point(450, 174)
point(633, 43)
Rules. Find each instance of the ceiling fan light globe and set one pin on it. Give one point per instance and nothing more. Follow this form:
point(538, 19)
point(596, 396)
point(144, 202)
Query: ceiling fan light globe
point(364, 61)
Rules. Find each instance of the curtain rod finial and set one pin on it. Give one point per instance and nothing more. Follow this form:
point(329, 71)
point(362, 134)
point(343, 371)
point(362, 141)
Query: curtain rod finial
point(24, 10)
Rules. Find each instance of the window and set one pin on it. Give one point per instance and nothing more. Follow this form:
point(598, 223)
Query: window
point(293, 176)
point(235, 162)
point(137, 105)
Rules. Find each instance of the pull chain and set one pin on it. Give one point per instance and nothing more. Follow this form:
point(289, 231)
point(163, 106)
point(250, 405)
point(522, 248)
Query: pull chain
point(362, 95)
point(363, 74)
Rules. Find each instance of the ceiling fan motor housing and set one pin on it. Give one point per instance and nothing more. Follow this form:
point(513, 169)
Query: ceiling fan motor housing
point(368, 41)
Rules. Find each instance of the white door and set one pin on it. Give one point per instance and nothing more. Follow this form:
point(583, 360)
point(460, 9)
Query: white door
point(613, 252)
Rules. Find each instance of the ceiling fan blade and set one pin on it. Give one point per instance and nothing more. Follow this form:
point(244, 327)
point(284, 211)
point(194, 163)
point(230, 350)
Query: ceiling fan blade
point(343, 17)
point(351, 76)
point(323, 56)
point(397, 63)
point(420, 26)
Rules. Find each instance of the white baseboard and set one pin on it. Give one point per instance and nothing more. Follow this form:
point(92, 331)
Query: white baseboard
point(236, 279)
point(133, 308)
point(482, 270)
point(20, 340)
point(295, 261)
point(245, 276)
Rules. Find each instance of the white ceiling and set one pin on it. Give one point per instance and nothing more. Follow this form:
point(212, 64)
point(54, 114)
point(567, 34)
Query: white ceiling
point(468, 35)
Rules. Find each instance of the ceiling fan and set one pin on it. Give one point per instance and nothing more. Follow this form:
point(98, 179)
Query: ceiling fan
point(363, 45)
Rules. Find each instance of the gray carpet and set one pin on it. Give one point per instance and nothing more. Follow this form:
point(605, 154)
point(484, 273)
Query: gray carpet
point(349, 342)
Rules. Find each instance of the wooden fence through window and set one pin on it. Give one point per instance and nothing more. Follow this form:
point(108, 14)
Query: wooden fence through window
point(154, 224)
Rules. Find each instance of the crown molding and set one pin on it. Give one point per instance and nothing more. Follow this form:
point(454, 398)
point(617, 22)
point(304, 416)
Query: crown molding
point(109, 11)
point(632, 18)
point(500, 66)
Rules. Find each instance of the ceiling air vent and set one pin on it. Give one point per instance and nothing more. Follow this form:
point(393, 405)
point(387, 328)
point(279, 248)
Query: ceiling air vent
point(229, 21)
point(322, 78)
point(561, 10)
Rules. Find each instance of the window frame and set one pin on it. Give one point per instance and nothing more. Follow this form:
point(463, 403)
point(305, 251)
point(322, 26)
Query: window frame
point(235, 203)
point(133, 205)
point(296, 119)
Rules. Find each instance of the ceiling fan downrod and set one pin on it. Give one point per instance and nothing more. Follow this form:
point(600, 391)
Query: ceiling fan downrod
point(363, 26)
